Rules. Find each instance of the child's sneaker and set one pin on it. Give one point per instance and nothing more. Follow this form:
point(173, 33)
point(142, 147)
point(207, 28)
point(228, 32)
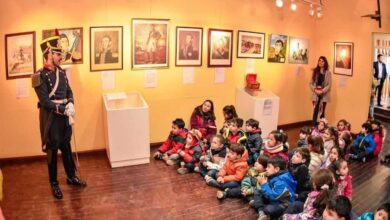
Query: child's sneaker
point(252, 203)
point(182, 170)
point(364, 159)
point(207, 178)
point(212, 182)
point(221, 195)
point(171, 162)
point(263, 216)
point(196, 169)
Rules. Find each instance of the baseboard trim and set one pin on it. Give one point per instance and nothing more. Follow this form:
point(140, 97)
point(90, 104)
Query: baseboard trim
point(298, 124)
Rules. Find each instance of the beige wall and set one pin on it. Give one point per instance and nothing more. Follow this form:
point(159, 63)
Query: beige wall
point(19, 133)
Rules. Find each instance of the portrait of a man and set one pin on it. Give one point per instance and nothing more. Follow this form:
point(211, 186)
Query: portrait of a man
point(278, 43)
point(105, 54)
point(106, 48)
point(150, 43)
point(70, 42)
point(188, 46)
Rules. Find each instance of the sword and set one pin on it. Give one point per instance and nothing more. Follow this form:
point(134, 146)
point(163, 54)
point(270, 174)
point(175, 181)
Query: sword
point(71, 122)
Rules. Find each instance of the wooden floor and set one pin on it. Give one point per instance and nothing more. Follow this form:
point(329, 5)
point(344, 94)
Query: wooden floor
point(153, 191)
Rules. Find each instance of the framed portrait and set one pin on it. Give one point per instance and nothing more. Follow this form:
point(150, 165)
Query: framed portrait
point(299, 51)
point(71, 44)
point(20, 55)
point(220, 48)
point(150, 43)
point(277, 49)
point(106, 48)
point(189, 46)
point(343, 58)
point(250, 44)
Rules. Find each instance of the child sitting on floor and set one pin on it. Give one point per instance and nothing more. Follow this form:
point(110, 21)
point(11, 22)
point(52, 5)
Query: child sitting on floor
point(343, 180)
point(316, 148)
point(320, 129)
point(331, 138)
point(249, 184)
point(234, 169)
point(176, 141)
point(363, 146)
point(377, 135)
point(229, 112)
point(213, 161)
point(276, 145)
point(304, 133)
point(277, 190)
point(382, 213)
point(254, 140)
point(299, 169)
point(316, 201)
point(335, 154)
point(339, 208)
point(191, 153)
point(234, 133)
point(343, 126)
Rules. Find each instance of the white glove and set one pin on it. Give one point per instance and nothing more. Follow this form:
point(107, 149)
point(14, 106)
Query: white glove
point(70, 110)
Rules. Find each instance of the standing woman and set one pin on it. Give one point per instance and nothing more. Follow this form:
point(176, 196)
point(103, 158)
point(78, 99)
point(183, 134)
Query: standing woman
point(320, 84)
point(203, 119)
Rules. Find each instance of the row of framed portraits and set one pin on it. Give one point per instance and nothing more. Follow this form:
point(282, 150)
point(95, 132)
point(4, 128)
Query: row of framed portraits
point(150, 47)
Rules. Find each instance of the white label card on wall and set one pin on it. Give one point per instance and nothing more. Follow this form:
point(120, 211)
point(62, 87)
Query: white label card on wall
point(150, 79)
point(108, 80)
point(219, 75)
point(343, 82)
point(188, 75)
point(22, 86)
point(250, 66)
point(298, 71)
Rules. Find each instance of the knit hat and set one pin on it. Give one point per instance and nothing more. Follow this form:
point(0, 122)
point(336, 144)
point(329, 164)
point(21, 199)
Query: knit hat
point(196, 136)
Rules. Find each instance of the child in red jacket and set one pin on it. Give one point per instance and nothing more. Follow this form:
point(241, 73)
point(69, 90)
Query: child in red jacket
point(176, 140)
point(377, 135)
point(191, 152)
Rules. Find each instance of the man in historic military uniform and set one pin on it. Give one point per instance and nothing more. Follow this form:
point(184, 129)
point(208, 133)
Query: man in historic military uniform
point(56, 112)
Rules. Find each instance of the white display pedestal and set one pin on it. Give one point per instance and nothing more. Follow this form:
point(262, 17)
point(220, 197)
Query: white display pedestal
point(263, 106)
point(126, 122)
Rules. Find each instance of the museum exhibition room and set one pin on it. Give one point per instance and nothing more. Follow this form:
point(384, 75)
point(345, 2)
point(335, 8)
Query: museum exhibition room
point(176, 109)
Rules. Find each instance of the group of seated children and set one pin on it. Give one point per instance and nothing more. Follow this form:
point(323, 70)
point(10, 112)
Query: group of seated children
point(310, 182)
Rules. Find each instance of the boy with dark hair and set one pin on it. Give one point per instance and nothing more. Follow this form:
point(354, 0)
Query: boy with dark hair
point(249, 184)
point(363, 147)
point(299, 169)
point(175, 142)
point(383, 212)
point(277, 190)
point(254, 140)
point(338, 209)
point(304, 133)
point(234, 133)
point(234, 169)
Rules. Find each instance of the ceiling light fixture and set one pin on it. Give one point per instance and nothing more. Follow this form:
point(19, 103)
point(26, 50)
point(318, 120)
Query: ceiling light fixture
point(279, 3)
point(311, 11)
point(293, 5)
point(319, 12)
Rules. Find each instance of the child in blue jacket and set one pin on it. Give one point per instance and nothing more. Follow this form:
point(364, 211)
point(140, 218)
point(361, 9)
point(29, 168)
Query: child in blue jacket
point(364, 145)
point(277, 189)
